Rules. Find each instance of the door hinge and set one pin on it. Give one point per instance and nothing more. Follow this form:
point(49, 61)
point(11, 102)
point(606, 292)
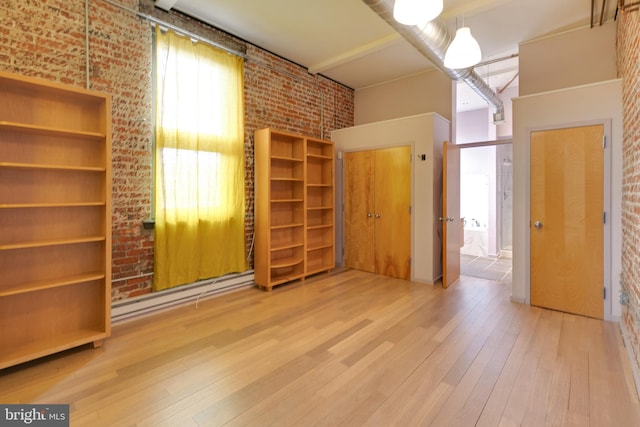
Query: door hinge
point(409, 210)
point(604, 142)
point(409, 260)
point(604, 293)
point(604, 217)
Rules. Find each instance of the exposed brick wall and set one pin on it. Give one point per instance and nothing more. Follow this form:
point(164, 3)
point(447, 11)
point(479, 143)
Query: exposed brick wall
point(629, 70)
point(284, 96)
point(120, 63)
point(318, 107)
point(46, 39)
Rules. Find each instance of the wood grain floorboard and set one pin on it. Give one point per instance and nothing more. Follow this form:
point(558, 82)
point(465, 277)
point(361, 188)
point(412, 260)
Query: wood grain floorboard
point(344, 349)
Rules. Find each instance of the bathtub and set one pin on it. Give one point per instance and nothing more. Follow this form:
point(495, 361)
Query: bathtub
point(476, 240)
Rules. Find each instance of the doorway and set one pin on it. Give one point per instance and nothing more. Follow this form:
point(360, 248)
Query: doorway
point(486, 205)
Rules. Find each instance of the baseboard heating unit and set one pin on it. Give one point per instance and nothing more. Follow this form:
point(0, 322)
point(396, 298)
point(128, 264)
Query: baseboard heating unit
point(181, 295)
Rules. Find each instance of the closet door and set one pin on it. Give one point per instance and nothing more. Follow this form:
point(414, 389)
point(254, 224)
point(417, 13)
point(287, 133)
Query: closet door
point(392, 214)
point(377, 201)
point(358, 210)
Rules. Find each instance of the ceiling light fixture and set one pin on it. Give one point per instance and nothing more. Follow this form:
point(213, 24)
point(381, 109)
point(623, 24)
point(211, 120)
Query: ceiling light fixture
point(463, 52)
point(416, 12)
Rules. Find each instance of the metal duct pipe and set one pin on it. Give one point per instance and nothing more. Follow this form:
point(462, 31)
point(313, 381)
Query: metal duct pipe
point(432, 41)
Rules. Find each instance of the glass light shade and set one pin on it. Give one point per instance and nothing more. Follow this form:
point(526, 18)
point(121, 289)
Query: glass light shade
point(463, 52)
point(416, 12)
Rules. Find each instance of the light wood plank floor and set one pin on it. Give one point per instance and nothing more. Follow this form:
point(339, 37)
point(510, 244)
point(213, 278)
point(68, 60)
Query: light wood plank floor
point(344, 349)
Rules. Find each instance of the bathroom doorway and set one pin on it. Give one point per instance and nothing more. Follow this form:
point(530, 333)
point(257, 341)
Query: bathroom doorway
point(486, 205)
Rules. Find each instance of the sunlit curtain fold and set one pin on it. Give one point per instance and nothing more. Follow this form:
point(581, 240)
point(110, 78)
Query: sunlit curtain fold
point(199, 162)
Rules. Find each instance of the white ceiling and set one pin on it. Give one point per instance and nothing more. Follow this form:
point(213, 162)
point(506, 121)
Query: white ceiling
point(348, 42)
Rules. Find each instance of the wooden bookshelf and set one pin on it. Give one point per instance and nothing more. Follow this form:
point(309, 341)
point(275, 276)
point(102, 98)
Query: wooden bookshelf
point(320, 215)
point(294, 207)
point(55, 218)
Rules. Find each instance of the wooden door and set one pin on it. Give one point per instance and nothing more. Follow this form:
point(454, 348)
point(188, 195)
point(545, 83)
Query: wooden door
point(451, 222)
point(358, 210)
point(567, 229)
point(392, 214)
point(377, 219)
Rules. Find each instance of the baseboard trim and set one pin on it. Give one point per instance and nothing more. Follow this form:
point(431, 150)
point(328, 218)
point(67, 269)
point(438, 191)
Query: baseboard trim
point(505, 254)
point(425, 282)
point(130, 309)
point(517, 300)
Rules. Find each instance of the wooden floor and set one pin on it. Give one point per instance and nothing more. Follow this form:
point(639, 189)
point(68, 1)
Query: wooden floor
point(345, 349)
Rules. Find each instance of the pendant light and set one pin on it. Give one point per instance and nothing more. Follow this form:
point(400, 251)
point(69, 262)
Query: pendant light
point(416, 12)
point(463, 52)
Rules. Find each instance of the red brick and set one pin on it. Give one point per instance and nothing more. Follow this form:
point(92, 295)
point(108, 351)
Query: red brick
point(628, 46)
point(46, 40)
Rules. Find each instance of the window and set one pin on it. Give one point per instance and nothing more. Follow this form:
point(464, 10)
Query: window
point(202, 167)
point(199, 161)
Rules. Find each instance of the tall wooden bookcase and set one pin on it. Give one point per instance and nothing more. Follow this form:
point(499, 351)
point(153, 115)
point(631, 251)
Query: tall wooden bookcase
point(55, 218)
point(294, 207)
point(319, 206)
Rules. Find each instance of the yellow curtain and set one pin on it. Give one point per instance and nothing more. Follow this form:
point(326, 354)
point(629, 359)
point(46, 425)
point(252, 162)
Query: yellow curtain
point(199, 162)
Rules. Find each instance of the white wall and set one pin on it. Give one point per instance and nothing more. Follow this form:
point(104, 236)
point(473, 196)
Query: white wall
point(594, 103)
point(477, 125)
point(425, 133)
point(428, 92)
point(505, 130)
point(473, 126)
point(577, 57)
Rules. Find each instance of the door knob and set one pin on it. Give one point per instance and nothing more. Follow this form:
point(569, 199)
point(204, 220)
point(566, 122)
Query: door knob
point(537, 225)
point(369, 215)
point(377, 215)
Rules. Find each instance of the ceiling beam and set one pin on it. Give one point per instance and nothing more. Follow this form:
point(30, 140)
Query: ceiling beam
point(355, 53)
point(471, 8)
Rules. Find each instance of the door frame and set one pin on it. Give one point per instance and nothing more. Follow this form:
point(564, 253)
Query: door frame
point(494, 143)
point(607, 191)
